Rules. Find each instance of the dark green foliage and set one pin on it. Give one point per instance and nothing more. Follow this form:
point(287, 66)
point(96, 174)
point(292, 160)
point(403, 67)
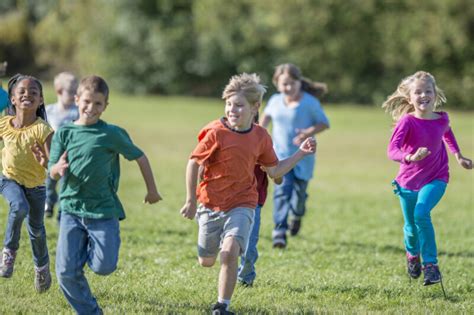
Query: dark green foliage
point(362, 49)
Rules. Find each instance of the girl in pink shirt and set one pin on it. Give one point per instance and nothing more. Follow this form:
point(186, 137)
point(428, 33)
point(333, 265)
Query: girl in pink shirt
point(418, 144)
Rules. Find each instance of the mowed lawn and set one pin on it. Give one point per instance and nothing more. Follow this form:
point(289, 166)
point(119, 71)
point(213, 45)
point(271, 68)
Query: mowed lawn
point(348, 258)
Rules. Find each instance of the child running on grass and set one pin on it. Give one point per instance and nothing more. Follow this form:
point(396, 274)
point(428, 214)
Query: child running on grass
point(86, 153)
point(24, 171)
point(418, 144)
point(296, 114)
point(60, 113)
point(228, 150)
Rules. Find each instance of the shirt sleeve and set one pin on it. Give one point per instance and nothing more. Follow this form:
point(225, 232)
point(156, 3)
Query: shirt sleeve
point(268, 110)
point(450, 140)
point(399, 135)
point(56, 150)
point(123, 145)
point(206, 147)
point(268, 156)
point(319, 116)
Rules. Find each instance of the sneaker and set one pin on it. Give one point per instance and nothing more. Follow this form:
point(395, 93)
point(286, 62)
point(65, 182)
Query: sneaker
point(221, 309)
point(42, 278)
point(246, 284)
point(279, 240)
point(295, 225)
point(48, 210)
point(432, 274)
point(6, 265)
point(413, 266)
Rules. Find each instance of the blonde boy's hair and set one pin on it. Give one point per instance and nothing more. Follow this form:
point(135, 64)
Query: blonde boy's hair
point(247, 84)
point(398, 104)
point(65, 80)
point(94, 84)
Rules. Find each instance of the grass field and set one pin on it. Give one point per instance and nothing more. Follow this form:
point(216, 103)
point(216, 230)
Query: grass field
point(349, 257)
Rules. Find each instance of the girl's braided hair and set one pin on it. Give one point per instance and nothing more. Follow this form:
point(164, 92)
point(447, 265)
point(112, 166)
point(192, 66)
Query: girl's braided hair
point(11, 110)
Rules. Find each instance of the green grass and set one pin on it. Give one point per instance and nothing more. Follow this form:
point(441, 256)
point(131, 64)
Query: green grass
point(349, 257)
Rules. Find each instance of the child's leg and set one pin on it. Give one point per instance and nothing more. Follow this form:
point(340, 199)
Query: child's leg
point(19, 208)
point(36, 229)
point(298, 198)
point(236, 234)
point(51, 194)
point(209, 236)
point(428, 197)
point(282, 203)
point(407, 202)
point(104, 245)
point(71, 257)
point(247, 264)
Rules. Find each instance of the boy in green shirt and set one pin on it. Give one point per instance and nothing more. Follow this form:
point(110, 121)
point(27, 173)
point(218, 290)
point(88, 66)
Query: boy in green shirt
point(86, 153)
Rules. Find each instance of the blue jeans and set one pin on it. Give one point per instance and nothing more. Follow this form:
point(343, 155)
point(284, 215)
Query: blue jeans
point(418, 230)
point(51, 193)
point(246, 271)
point(25, 203)
point(92, 241)
point(289, 198)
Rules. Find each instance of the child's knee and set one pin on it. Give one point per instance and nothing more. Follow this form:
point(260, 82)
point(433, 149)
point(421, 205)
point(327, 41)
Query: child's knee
point(20, 208)
point(207, 261)
point(103, 269)
point(230, 250)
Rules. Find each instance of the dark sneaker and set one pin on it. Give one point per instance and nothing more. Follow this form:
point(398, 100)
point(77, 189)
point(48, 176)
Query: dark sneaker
point(48, 210)
point(220, 309)
point(246, 284)
point(6, 265)
point(413, 266)
point(295, 225)
point(432, 274)
point(279, 240)
point(42, 278)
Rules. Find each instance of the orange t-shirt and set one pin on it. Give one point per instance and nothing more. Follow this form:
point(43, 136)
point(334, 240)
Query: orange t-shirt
point(229, 159)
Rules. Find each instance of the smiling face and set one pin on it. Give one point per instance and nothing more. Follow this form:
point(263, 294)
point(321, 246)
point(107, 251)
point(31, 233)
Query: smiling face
point(289, 86)
point(26, 96)
point(422, 97)
point(239, 112)
point(91, 106)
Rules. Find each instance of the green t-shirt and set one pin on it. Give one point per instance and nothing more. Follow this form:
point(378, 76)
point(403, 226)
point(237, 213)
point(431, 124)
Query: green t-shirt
point(90, 185)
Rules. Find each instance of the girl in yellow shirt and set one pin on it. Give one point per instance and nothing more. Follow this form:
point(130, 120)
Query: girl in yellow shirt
point(27, 138)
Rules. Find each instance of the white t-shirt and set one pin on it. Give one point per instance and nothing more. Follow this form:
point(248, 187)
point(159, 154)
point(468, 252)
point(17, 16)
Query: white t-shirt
point(58, 117)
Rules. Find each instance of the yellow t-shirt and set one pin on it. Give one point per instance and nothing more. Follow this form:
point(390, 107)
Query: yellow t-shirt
point(18, 161)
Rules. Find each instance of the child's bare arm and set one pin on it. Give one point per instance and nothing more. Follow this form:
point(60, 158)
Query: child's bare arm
point(41, 152)
point(307, 147)
point(152, 195)
point(189, 209)
point(265, 121)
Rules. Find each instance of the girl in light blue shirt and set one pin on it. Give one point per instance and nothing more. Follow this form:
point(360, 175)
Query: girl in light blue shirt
point(296, 114)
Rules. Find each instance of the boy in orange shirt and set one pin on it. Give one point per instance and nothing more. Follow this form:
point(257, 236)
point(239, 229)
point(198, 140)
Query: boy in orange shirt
point(228, 150)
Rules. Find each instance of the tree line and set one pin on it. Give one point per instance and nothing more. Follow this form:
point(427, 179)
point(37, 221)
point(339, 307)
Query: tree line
point(360, 48)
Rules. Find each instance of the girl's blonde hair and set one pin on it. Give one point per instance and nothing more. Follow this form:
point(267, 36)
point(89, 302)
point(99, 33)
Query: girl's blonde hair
point(398, 104)
point(317, 89)
point(247, 84)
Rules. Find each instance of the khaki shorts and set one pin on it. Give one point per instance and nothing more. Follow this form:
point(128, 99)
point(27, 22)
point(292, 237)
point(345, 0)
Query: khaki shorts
point(215, 226)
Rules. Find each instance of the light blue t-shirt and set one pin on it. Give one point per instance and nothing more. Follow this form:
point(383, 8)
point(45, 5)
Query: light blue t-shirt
point(285, 123)
point(3, 99)
point(58, 117)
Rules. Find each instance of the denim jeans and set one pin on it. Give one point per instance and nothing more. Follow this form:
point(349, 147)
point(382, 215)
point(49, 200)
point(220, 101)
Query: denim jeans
point(92, 241)
point(51, 193)
point(25, 203)
point(246, 271)
point(289, 198)
point(418, 230)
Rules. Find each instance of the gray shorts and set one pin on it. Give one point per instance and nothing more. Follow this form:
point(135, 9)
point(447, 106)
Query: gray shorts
point(215, 226)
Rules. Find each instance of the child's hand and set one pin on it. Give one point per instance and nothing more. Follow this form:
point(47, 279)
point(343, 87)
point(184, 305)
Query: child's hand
point(300, 136)
point(152, 197)
point(278, 180)
point(419, 155)
point(189, 210)
point(308, 146)
point(464, 162)
point(62, 165)
point(40, 154)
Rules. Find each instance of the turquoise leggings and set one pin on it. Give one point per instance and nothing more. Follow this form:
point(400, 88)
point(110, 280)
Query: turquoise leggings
point(418, 230)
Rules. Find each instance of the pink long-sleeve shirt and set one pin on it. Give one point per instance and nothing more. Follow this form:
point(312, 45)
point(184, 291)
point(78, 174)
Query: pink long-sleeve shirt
point(411, 133)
